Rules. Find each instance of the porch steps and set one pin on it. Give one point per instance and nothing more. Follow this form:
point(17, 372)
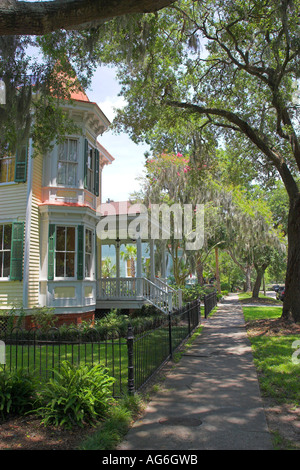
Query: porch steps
point(134, 292)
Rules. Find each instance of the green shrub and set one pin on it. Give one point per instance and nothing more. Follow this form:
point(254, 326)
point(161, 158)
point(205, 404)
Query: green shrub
point(77, 395)
point(17, 393)
point(43, 318)
point(196, 291)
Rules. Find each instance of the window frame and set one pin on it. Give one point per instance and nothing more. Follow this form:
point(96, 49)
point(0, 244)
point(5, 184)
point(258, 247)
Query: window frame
point(5, 159)
point(91, 253)
point(90, 169)
point(65, 251)
point(67, 163)
point(3, 250)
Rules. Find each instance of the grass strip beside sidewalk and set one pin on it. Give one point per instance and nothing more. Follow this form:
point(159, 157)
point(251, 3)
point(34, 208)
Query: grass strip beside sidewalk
point(276, 351)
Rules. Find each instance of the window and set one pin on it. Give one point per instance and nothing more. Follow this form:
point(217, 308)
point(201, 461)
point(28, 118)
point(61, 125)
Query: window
point(7, 169)
point(5, 249)
point(14, 167)
point(67, 163)
point(65, 252)
point(88, 253)
point(90, 169)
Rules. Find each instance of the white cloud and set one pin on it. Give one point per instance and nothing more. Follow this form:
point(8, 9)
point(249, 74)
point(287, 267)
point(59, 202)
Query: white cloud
point(109, 106)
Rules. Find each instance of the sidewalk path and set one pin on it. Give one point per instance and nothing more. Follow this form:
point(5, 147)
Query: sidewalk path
point(211, 398)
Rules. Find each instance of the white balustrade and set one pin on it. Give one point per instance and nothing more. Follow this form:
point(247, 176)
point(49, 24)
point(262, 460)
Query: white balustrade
point(157, 293)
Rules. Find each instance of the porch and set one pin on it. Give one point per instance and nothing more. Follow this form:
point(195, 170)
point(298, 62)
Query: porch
point(133, 292)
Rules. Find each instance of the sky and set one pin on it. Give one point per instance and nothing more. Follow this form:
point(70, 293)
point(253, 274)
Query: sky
point(119, 178)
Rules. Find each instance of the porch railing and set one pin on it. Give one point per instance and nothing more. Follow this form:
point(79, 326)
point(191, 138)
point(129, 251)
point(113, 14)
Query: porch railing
point(158, 293)
point(176, 294)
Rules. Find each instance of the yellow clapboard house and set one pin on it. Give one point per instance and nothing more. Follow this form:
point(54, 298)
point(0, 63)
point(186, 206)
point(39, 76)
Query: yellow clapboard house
point(48, 219)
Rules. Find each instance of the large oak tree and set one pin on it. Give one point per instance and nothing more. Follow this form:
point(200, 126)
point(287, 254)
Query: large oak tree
point(243, 83)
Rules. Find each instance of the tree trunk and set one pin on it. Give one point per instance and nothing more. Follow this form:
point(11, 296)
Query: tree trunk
point(248, 278)
point(217, 270)
point(291, 303)
point(199, 271)
point(259, 276)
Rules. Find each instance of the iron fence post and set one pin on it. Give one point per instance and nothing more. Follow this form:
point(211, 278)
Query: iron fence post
point(190, 306)
point(130, 338)
point(170, 336)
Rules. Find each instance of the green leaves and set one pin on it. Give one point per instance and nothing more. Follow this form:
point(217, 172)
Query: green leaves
point(78, 395)
point(17, 393)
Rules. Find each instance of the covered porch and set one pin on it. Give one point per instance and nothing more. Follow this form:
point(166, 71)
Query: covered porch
point(133, 292)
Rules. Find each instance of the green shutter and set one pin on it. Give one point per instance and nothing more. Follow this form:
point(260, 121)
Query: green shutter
point(16, 254)
point(21, 164)
point(96, 189)
point(80, 245)
point(85, 163)
point(51, 252)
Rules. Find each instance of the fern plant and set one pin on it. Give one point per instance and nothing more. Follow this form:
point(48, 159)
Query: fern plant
point(77, 395)
point(17, 393)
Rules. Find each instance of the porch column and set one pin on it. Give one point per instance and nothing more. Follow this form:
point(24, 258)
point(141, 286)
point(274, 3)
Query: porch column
point(163, 263)
point(152, 261)
point(118, 268)
point(139, 265)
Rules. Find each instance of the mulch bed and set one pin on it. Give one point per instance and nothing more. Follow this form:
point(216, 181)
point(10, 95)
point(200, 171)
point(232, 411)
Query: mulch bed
point(26, 433)
point(272, 327)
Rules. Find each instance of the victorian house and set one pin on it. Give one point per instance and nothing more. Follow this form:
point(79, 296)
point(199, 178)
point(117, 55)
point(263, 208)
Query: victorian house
point(50, 253)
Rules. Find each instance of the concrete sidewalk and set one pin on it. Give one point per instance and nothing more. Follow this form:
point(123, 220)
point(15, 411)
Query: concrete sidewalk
point(211, 398)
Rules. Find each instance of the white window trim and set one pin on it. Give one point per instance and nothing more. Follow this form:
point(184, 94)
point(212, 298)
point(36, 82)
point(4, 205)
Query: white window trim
point(6, 158)
point(60, 278)
point(62, 185)
point(92, 275)
point(5, 278)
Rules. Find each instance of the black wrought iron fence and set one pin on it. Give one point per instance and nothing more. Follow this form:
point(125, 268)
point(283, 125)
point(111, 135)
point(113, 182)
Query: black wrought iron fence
point(131, 359)
point(150, 350)
point(42, 352)
point(210, 302)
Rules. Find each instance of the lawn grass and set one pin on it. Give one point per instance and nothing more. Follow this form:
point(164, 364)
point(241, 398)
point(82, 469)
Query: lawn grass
point(261, 313)
point(150, 350)
point(273, 357)
point(243, 296)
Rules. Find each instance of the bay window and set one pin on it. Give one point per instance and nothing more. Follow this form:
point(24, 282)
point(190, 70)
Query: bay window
point(70, 252)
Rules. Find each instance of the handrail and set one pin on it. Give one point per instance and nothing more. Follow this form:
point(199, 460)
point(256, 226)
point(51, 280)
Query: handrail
point(157, 296)
point(162, 296)
point(177, 301)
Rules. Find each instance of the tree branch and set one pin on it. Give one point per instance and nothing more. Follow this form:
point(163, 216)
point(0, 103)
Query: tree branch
point(249, 132)
point(37, 18)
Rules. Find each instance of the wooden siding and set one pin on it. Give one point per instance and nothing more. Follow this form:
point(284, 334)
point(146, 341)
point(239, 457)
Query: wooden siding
point(13, 202)
point(11, 294)
point(34, 258)
point(12, 208)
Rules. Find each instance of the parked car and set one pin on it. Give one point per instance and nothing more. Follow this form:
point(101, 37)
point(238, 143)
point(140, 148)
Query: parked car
point(280, 293)
point(276, 287)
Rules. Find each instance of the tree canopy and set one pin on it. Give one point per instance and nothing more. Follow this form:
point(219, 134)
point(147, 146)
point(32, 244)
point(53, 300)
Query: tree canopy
point(231, 68)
